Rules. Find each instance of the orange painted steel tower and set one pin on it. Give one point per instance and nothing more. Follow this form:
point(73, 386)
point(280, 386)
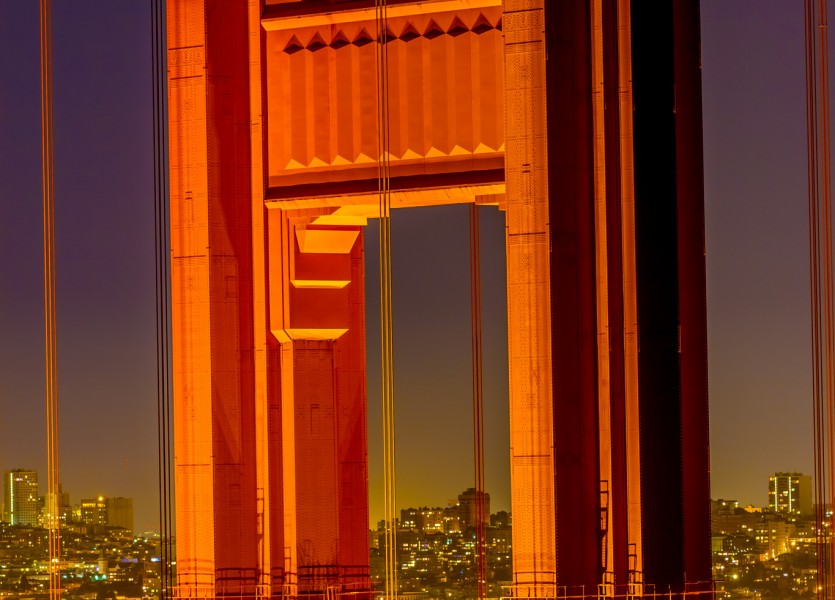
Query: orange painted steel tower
point(581, 120)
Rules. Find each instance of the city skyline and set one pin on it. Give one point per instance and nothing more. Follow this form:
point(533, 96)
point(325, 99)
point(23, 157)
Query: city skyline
point(801, 483)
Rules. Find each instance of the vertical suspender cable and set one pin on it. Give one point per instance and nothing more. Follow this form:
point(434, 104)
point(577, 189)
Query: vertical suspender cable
point(821, 280)
point(824, 175)
point(811, 164)
point(478, 401)
point(163, 313)
point(384, 184)
point(47, 149)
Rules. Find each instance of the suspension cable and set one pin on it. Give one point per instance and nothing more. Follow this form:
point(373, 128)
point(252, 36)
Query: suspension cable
point(48, 173)
point(478, 401)
point(386, 322)
point(821, 281)
point(817, 406)
point(162, 289)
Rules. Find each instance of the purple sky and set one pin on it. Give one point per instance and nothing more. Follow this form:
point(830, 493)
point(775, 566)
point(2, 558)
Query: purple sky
point(756, 244)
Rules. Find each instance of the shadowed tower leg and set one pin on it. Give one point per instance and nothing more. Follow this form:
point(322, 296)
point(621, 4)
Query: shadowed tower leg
point(317, 313)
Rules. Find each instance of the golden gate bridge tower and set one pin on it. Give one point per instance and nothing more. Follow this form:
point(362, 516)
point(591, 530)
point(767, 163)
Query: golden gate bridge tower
point(581, 121)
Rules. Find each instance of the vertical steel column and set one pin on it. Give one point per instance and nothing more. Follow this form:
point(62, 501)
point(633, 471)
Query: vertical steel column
point(617, 533)
point(604, 165)
point(623, 536)
point(266, 379)
point(318, 437)
point(631, 420)
point(528, 298)
point(352, 436)
point(572, 184)
point(669, 218)
point(657, 292)
point(212, 288)
point(692, 293)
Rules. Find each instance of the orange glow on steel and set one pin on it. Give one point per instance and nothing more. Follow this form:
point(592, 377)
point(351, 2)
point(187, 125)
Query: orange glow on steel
point(368, 14)
point(630, 301)
point(601, 269)
point(319, 284)
point(529, 305)
point(326, 241)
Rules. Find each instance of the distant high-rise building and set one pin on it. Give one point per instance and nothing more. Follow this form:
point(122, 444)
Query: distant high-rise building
point(64, 507)
point(120, 512)
point(55, 508)
point(500, 519)
point(468, 506)
point(411, 518)
point(790, 493)
point(21, 497)
point(94, 511)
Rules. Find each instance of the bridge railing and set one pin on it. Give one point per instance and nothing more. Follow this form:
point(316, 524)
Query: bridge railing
point(528, 591)
point(705, 590)
point(347, 591)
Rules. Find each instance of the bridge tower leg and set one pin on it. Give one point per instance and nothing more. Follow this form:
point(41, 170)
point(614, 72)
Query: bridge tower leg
point(268, 324)
point(603, 167)
point(211, 267)
point(601, 164)
point(317, 313)
point(532, 461)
